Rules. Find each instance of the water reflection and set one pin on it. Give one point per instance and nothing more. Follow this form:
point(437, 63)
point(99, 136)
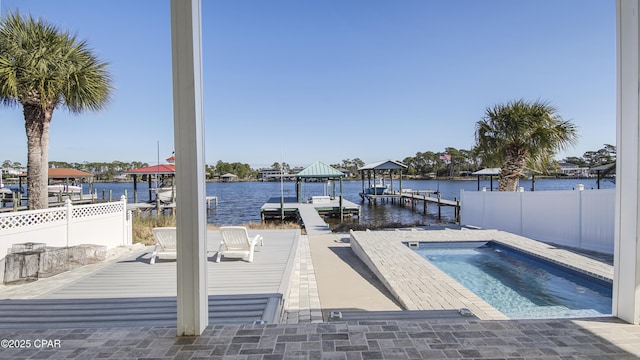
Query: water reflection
point(240, 202)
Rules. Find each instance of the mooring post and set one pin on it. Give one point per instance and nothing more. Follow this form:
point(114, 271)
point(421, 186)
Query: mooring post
point(424, 204)
point(439, 208)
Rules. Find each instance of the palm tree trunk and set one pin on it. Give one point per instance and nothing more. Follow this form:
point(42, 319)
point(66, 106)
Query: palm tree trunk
point(37, 123)
point(512, 170)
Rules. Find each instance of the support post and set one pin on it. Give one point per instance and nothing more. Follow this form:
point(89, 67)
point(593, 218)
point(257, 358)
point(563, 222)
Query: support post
point(192, 297)
point(626, 264)
point(424, 203)
point(135, 188)
point(125, 221)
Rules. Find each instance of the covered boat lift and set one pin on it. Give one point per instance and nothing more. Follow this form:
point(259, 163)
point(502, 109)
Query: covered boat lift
point(490, 172)
point(320, 171)
point(370, 170)
point(603, 170)
point(160, 170)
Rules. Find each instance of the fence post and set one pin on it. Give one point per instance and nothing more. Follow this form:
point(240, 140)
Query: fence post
point(69, 206)
point(483, 222)
point(520, 194)
point(580, 188)
point(125, 222)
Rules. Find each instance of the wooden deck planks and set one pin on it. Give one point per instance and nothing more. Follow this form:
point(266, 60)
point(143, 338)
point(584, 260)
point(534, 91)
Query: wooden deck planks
point(133, 292)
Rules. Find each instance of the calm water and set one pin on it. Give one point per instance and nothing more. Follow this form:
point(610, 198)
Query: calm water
point(240, 202)
point(519, 286)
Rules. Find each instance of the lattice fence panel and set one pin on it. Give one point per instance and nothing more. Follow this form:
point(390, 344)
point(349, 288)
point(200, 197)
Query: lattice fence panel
point(21, 220)
point(86, 211)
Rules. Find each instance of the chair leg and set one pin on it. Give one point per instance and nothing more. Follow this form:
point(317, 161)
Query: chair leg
point(251, 250)
point(218, 257)
point(153, 255)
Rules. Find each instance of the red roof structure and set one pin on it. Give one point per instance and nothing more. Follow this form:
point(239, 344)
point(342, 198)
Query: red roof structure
point(161, 169)
point(67, 173)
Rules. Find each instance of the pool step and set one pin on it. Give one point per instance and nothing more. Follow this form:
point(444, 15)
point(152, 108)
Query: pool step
point(359, 315)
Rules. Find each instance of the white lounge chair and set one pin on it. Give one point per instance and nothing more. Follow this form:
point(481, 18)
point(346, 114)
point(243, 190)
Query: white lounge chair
point(165, 242)
point(236, 243)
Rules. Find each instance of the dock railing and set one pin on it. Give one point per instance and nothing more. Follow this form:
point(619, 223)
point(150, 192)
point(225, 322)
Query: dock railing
point(107, 224)
point(582, 219)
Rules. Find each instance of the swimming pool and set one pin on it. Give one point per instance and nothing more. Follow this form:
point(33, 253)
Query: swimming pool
point(519, 285)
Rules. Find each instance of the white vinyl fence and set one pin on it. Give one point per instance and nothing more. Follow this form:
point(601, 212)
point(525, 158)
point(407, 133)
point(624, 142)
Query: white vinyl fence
point(106, 224)
point(577, 218)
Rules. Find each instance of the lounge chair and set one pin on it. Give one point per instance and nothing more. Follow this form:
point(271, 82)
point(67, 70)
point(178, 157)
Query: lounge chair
point(165, 242)
point(236, 243)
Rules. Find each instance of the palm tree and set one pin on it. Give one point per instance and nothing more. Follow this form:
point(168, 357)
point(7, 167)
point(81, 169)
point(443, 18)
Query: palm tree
point(42, 69)
point(520, 135)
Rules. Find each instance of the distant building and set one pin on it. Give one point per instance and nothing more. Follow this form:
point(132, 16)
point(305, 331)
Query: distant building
point(567, 169)
point(274, 175)
point(229, 177)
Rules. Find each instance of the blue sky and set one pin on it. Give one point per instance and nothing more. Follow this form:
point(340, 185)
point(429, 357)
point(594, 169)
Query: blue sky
point(331, 80)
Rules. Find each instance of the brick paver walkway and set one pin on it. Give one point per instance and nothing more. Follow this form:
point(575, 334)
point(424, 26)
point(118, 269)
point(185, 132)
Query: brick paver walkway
point(434, 339)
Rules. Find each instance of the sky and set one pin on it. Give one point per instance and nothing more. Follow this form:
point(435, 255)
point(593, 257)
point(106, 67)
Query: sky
point(302, 81)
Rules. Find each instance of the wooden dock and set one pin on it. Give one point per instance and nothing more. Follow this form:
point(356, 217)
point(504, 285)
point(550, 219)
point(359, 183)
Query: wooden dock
point(413, 198)
point(309, 215)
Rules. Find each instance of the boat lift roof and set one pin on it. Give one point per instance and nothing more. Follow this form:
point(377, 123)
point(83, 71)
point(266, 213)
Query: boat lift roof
point(64, 173)
point(161, 169)
point(384, 165)
point(487, 172)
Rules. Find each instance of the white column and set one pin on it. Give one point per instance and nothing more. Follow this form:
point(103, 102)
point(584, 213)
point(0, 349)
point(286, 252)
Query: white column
point(626, 284)
point(189, 152)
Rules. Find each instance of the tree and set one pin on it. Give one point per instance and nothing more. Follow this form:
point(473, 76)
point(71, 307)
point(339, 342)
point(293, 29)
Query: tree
point(42, 69)
point(520, 134)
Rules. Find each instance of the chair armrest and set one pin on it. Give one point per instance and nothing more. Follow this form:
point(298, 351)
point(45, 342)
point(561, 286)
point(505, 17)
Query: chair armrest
point(257, 240)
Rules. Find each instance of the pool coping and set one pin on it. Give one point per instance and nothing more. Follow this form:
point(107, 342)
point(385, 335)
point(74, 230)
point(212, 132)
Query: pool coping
point(419, 285)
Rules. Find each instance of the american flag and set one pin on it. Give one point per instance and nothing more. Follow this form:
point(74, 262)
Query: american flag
point(445, 156)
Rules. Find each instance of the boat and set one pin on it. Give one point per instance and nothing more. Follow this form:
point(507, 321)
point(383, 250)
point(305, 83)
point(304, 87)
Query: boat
point(377, 189)
point(63, 188)
point(165, 192)
point(4, 192)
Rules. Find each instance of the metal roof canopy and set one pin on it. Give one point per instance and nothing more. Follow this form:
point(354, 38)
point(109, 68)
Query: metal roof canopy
point(487, 172)
point(320, 170)
point(603, 167)
point(63, 173)
point(384, 165)
point(161, 169)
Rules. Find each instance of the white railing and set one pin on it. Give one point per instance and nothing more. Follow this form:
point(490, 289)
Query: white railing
point(582, 219)
point(107, 224)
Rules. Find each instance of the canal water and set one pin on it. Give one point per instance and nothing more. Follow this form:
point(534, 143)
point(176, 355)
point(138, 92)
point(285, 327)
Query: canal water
point(240, 202)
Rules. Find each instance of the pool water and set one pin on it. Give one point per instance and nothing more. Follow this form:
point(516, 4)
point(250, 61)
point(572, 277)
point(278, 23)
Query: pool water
point(518, 285)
